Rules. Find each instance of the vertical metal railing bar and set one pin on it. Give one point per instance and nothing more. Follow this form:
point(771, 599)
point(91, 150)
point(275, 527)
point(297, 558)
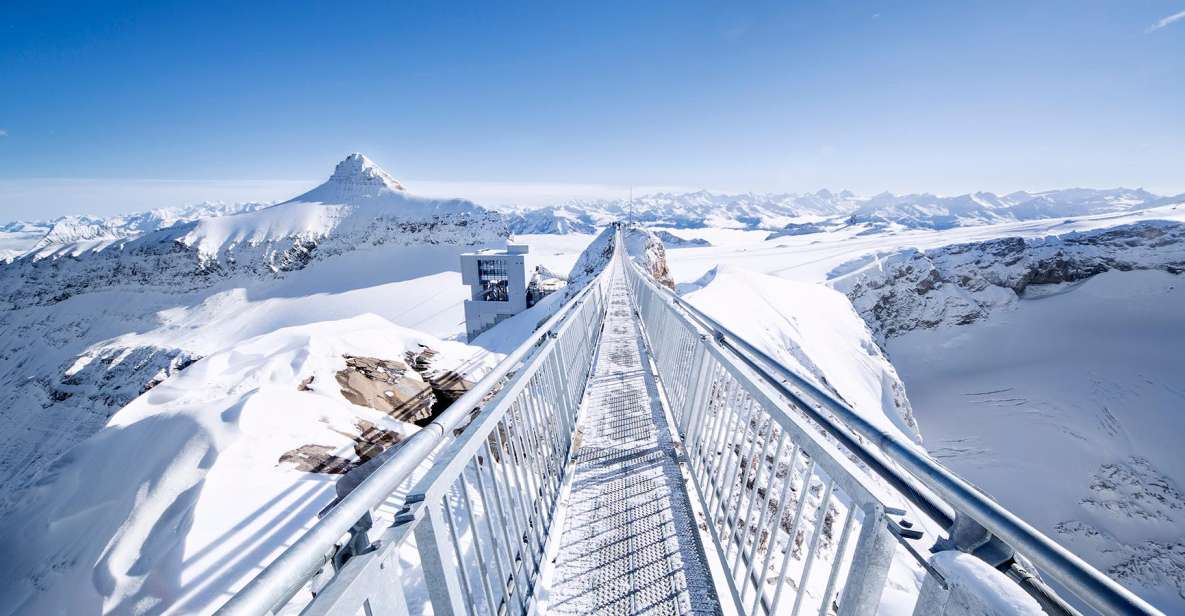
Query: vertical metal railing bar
point(508, 576)
point(744, 534)
point(526, 502)
point(820, 517)
point(533, 502)
point(702, 405)
point(803, 495)
point(523, 500)
point(516, 501)
point(840, 550)
point(452, 529)
point(745, 468)
point(736, 460)
point(741, 450)
point(530, 450)
point(725, 448)
point(761, 520)
point(783, 499)
point(545, 442)
point(696, 405)
point(550, 446)
point(475, 535)
point(507, 498)
point(510, 524)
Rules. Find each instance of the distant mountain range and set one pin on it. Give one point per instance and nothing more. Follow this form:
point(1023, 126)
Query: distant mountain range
point(779, 213)
point(18, 237)
point(810, 212)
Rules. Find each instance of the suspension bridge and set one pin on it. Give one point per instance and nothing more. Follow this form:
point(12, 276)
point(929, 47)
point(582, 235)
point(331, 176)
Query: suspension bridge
point(636, 457)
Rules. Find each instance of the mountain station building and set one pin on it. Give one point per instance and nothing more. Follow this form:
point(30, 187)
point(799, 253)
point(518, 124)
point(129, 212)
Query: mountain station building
point(498, 282)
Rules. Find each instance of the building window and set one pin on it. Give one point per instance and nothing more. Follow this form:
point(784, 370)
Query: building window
point(491, 274)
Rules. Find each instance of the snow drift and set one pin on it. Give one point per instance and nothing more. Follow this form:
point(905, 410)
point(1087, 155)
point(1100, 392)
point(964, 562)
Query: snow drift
point(813, 331)
point(181, 497)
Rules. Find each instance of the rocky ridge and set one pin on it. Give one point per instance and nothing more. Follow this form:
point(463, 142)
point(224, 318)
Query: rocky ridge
point(964, 283)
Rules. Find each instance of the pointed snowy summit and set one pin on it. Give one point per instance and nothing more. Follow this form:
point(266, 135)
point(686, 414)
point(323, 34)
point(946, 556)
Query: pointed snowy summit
point(355, 179)
point(358, 170)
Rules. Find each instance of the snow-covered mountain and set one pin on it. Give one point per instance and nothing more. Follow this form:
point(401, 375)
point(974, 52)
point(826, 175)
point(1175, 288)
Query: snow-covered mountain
point(557, 220)
point(200, 431)
point(1048, 372)
point(17, 238)
point(358, 206)
point(790, 213)
point(89, 325)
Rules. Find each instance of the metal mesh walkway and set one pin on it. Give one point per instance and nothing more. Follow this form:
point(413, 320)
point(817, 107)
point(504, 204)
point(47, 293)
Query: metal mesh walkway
point(628, 544)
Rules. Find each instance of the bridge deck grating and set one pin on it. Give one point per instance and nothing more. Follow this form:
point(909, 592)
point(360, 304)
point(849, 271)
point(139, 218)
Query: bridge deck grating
point(628, 545)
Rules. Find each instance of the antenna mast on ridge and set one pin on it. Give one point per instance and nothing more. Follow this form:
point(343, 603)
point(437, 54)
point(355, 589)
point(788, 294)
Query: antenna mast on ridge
point(631, 206)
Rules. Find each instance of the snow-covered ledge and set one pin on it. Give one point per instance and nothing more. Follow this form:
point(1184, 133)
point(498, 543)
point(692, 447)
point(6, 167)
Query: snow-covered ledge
point(973, 588)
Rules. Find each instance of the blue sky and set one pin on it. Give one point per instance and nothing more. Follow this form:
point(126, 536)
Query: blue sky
point(111, 106)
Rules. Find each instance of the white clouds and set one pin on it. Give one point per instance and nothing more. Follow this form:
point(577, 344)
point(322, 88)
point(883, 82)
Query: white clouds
point(3, 133)
point(1166, 21)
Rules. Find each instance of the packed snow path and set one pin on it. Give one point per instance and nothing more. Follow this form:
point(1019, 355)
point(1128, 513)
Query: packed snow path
point(628, 544)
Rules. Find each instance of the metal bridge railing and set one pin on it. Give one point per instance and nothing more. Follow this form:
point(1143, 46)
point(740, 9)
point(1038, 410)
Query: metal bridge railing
point(478, 519)
point(783, 503)
point(735, 404)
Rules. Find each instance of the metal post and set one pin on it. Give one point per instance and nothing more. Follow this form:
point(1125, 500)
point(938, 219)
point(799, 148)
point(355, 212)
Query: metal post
point(440, 572)
point(870, 564)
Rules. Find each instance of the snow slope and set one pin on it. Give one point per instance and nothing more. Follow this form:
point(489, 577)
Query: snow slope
point(86, 327)
point(812, 330)
point(963, 283)
point(1041, 358)
point(178, 499)
point(1068, 409)
point(18, 238)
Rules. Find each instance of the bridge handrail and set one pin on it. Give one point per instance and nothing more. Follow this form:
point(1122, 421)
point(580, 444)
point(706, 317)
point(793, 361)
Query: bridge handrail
point(742, 446)
point(955, 496)
point(277, 583)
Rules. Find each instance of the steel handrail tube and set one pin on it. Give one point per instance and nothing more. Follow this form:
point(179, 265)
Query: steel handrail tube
point(1086, 582)
point(284, 576)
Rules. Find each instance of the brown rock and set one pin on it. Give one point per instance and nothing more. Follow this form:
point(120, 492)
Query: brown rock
point(385, 385)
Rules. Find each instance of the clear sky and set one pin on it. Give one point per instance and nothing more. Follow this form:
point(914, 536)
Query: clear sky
point(106, 106)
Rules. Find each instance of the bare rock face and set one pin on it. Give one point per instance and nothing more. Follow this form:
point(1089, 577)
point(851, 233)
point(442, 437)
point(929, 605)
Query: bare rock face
point(447, 385)
point(386, 385)
point(647, 250)
point(964, 283)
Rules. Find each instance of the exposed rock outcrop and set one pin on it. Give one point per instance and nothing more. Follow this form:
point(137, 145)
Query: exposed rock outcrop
point(963, 283)
point(670, 240)
point(390, 386)
point(647, 250)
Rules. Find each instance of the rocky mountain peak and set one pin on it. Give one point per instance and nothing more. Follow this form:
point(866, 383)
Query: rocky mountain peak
point(360, 174)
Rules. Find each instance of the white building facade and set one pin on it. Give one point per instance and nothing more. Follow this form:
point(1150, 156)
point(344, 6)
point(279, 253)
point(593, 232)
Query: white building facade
point(497, 282)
